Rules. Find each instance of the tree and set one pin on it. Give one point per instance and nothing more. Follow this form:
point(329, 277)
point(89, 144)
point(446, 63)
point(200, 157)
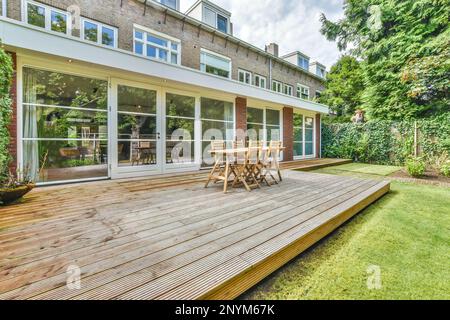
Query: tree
point(398, 41)
point(344, 87)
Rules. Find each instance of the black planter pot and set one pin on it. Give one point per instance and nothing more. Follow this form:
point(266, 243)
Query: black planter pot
point(10, 195)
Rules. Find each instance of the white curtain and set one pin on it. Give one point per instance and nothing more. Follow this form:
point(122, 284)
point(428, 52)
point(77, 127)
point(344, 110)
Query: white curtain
point(30, 147)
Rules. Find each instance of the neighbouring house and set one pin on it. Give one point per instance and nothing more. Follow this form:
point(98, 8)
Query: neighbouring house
point(131, 88)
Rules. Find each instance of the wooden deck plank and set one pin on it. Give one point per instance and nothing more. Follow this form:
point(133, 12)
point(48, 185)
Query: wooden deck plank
point(171, 240)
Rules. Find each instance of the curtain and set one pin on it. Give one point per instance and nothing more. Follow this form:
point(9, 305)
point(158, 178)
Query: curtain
point(30, 130)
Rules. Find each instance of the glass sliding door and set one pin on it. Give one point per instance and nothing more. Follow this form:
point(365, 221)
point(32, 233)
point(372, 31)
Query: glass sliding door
point(303, 136)
point(180, 129)
point(309, 137)
point(217, 122)
point(298, 135)
point(65, 127)
point(137, 127)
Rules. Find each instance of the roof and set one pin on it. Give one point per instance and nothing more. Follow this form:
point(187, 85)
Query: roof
point(231, 38)
point(209, 3)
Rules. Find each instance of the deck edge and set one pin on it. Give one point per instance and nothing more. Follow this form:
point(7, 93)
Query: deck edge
point(237, 285)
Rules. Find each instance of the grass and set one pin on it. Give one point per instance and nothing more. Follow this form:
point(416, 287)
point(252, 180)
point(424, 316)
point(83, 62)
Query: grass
point(406, 234)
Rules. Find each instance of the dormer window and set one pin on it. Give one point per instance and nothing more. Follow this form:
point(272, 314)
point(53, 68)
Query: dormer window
point(321, 72)
point(212, 15)
point(174, 4)
point(303, 62)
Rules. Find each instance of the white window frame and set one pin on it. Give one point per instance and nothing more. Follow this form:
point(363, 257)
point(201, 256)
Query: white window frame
point(264, 123)
point(305, 59)
point(279, 86)
point(317, 92)
point(216, 20)
point(300, 88)
point(261, 79)
point(48, 15)
point(303, 142)
point(321, 72)
point(208, 52)
point(4, 8)
point(99, 32)
point(288, 89)
point(245, 73)
point(170, 41)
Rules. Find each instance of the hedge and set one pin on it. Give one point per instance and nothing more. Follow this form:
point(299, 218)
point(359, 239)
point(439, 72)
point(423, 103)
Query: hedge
point(6, 72)
point(387, 142)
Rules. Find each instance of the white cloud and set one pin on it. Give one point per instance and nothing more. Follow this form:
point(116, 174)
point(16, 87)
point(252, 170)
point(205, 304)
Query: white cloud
point(293, 24)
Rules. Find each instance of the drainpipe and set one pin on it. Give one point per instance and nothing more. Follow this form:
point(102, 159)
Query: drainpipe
point(270, 73)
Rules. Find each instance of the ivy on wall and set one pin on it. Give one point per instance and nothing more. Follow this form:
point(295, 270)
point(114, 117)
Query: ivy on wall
point(6, 72)
point(387, 142)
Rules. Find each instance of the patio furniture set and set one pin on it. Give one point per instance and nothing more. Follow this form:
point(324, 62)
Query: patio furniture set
point(245, 166)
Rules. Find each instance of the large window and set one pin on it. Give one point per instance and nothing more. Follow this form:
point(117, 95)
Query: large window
point(263, 124)
point(65, 126)
point(302, 91)
point(180, 129)
point(215, 64)
point(98, 33)
point(46, 17)
point(3, 8)
point(217, 118)
point(245, 76)
point(303, 136)
point(260, 81)
point(136, 127)
point(157, 46)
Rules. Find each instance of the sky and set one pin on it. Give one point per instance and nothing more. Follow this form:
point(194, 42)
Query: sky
point(293, 24)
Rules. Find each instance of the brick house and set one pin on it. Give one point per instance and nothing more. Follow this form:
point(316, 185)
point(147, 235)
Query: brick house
point(129, 88)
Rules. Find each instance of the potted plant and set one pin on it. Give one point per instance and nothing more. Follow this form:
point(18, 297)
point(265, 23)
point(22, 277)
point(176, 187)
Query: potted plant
point(12, 188)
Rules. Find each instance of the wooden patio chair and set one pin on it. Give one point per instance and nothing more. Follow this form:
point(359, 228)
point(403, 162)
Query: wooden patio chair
point(219, 164)
point(275, 150)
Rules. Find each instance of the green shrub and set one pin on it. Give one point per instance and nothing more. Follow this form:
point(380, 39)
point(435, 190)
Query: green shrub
point(415, 167)
point(445, 169)
point(387, 142)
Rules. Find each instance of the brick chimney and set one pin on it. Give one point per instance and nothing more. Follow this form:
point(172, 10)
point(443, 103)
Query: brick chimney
point(273, 48)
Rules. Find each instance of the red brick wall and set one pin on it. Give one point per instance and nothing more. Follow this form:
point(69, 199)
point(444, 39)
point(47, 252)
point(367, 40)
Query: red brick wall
point(241, 114)
point(288, 133)
point(318, 135)
point(13, 126)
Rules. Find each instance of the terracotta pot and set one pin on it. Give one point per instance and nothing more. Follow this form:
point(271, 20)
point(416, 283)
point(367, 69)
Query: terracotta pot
point(11, 195)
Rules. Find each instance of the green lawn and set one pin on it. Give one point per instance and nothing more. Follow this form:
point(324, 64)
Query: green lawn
point(406, 234)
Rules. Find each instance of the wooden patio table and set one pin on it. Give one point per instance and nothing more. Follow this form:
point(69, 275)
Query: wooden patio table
point(233, 158)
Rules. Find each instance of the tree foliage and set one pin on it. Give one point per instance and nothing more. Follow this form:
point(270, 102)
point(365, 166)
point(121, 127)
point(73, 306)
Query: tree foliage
point(6, 72)
point(344, 88)
point(404, 46)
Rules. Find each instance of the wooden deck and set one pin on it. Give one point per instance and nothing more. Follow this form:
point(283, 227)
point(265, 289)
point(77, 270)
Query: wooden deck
point(148, 240)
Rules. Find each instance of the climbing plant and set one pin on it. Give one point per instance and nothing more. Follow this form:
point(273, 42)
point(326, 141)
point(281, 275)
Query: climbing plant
point(6, 72)
point(387, 142)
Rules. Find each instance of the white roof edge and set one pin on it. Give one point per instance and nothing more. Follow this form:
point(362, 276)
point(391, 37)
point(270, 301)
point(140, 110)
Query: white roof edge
point(20, 35)
point(295, 53)
point(209, 3)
